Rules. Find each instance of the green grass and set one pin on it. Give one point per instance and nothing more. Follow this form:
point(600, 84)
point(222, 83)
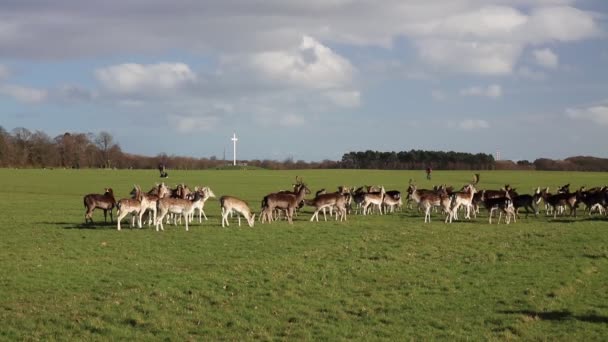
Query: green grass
point(371, 278)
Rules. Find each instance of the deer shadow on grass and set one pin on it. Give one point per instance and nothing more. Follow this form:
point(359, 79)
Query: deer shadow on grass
point(81, 225)
point(558, 316)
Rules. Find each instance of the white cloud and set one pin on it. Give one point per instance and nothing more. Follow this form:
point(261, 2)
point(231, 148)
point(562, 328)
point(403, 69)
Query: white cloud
point(596, 114)
point(472, 124)
point(486, 58)
point(527, 73)
point(346, 98)
point(311, 65)
point(559, 23)
point(546, 58)
point(191, 123)
point(138, 78)
point(24, 94)
point(492, 91)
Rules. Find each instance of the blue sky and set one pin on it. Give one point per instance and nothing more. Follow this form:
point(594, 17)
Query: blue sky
point(312, 79)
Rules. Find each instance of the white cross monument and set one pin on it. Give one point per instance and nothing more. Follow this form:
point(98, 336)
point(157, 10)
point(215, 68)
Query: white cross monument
point(234, 140)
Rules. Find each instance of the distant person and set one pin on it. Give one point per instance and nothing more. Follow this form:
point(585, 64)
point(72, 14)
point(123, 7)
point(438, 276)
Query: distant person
point(428, 173)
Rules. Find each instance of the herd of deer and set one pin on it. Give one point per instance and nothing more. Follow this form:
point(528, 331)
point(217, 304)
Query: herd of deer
point(183, 203)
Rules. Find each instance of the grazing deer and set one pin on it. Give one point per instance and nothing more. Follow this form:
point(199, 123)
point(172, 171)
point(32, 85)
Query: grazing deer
point(503, 204)
point(177, 206)
point(130, 206)
point(230, 204)
point(105, 202)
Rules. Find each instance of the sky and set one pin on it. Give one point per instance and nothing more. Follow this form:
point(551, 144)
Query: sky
point(311, 79)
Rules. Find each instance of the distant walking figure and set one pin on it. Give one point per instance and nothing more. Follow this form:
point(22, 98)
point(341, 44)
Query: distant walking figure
point(428, 173)
point(162, 170)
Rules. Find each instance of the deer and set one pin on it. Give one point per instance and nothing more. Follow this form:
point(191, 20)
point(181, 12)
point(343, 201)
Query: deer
point(392, 200)
point(149, 201)
point(131, 206)
point(176, 206)
point(205, 193)
point(230, 204)
point(428, 200)
point(503, 204)
point(105, 202)
point(527, 202)
point(563, 199)
point(285, 201)
point(331, 200)
point(462, 198)
point(373, 198)
point(595, 199)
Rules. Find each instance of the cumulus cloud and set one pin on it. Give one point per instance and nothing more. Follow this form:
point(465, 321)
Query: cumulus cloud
point(137, 78)
point(546, 58)
point(472, 124)
point(492, 91)
point(484, 37)
point(596, 114)
point(24, 94)
point(485, 58)
point(311, 65)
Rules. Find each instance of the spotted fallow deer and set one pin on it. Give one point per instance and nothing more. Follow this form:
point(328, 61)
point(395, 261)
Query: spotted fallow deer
point(232, 204)
point(177, 206)
point(131, 206)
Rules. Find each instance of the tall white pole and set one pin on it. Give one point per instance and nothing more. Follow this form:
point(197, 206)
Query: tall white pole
point(234, 140)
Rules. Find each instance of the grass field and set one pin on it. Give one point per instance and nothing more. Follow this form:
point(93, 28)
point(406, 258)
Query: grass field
point(371, 278)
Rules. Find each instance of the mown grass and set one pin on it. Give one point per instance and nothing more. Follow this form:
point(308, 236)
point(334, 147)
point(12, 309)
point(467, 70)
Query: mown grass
point(371, 278)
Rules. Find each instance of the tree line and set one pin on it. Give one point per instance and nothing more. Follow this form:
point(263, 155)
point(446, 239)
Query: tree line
point(23, 148)
point(417, 159)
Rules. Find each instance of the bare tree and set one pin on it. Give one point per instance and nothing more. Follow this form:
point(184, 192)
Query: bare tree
point(104, 142)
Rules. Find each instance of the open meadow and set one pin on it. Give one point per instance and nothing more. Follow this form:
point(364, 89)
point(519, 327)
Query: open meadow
point(373, 277)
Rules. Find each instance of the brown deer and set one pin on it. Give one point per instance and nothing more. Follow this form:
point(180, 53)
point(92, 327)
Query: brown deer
point(285, 201)
point(105, 202)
